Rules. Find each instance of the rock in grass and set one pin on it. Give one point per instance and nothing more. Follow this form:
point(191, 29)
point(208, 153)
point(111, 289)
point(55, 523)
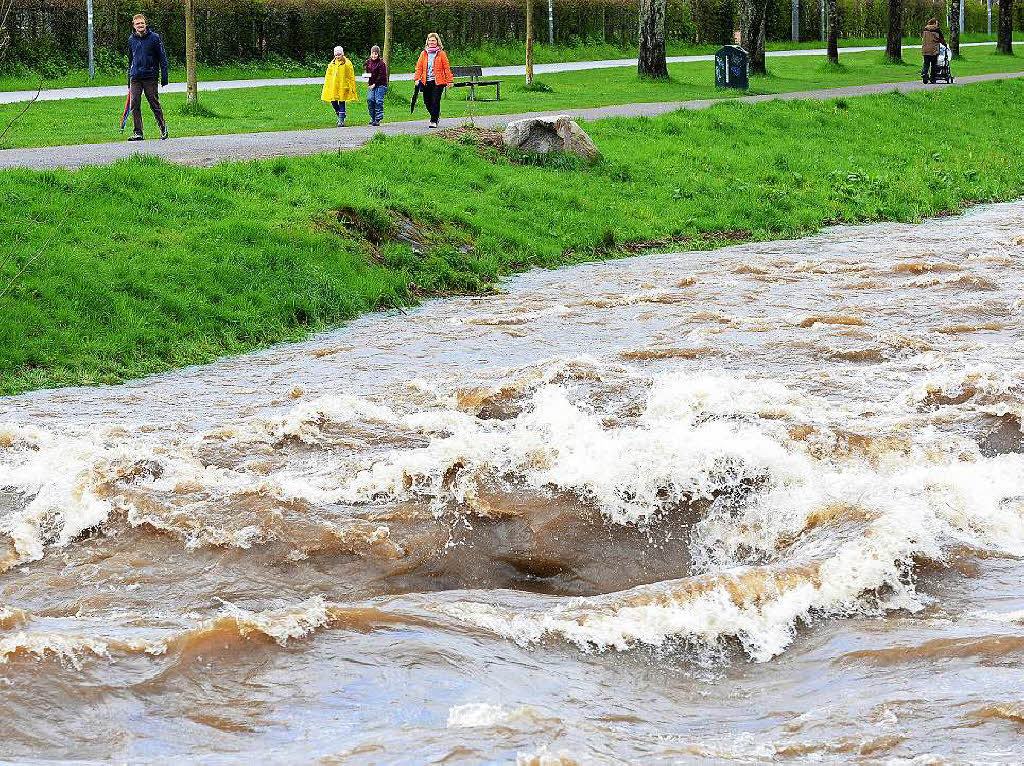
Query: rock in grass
point(543, 135)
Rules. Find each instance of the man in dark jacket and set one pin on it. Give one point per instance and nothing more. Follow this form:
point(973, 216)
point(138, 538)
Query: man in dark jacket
point(931, 39)
point(147, 59)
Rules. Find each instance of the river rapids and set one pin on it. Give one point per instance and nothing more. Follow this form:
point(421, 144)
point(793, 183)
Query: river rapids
point(760, 504)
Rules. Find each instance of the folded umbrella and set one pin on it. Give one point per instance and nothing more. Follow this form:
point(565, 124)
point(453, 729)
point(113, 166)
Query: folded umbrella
point(415, 95)
point(127, 103)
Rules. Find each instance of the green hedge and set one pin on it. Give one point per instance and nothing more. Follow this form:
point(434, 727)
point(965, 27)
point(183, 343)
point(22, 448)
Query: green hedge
point(50, 34)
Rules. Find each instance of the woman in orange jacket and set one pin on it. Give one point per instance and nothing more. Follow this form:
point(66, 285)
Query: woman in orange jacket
point(433, 75)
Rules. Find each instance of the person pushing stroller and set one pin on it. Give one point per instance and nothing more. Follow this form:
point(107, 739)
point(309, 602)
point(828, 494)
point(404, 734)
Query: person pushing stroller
point(936, 54)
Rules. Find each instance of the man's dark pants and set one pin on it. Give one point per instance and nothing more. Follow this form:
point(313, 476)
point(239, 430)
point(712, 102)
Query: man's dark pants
point(148, 86)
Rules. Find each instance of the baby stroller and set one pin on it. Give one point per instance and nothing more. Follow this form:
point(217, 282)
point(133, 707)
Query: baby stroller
point(942, 72)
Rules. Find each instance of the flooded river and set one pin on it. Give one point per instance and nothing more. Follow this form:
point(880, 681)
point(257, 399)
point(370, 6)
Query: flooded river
point(759, 504)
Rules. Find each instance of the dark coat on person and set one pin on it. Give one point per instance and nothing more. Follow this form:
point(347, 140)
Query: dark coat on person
point(378, 72)
point(930, 40)
point(147, 58)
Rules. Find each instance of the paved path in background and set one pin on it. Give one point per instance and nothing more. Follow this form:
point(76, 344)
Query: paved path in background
point(209, 150)
point(61, 94)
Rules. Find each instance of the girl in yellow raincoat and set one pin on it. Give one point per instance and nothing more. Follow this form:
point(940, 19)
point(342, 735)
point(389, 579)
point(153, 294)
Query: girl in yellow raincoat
point(340, 84)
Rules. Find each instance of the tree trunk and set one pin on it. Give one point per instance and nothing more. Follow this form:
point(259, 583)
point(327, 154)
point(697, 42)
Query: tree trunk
point(894, 39)
point(833, 31)
point(652, 39)
point(529, 42)
point(1004, 39)
point(191, 85)
point(954, 28)
point(752, 31)
point(386, 53)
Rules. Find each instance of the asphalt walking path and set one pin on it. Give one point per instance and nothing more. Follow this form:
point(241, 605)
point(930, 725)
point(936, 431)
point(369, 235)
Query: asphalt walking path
point(209, 150)
point(61, 94)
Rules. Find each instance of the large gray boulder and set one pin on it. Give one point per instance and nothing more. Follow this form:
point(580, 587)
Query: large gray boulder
point(541, 135)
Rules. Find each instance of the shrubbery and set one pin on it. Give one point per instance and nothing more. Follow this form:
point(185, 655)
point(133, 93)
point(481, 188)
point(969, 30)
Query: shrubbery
point(49, 34)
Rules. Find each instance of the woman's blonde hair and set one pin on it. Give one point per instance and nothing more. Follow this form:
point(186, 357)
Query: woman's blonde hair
point(440, 44)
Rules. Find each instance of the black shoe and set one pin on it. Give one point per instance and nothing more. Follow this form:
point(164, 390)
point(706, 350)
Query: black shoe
point(136, 137)
point(163, 133)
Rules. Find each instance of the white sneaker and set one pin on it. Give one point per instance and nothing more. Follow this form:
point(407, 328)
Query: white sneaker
point(431, 124)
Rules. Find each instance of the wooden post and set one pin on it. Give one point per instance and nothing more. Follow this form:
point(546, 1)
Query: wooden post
point(386, 53)
point(191, 85)
point(529, 42)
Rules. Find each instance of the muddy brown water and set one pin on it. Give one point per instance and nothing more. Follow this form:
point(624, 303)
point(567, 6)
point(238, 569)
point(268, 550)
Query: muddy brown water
point(759, 504)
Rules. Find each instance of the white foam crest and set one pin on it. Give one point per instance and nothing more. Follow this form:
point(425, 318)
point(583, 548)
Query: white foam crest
point(545, 756)
point(282, 625)
point(758, 606)
point(73, 646)
point(305, 420)
point(487, 715)
point(69, 649)
point(989, 382)
point(59, 474)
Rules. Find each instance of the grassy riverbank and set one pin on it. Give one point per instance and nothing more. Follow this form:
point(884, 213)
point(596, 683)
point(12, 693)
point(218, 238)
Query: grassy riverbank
point(151, 266)
point(56, 123)
point(496, 54)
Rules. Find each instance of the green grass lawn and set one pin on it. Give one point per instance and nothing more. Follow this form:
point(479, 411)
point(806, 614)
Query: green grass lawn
point(152, 266)
point(494, 54)
point(54, 123)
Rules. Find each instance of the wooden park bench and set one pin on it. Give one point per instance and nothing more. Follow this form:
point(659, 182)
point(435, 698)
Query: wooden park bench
point(474, 73)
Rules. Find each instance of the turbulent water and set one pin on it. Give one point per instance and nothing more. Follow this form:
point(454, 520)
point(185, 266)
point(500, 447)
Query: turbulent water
point(763, 503)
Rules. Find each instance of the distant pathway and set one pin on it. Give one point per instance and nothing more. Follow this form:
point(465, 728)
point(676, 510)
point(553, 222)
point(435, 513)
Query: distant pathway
point(209, 150)
point(61, 94)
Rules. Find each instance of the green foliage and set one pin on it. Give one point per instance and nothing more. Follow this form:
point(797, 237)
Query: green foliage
point(297, 35)
point(157, 266)
point(54, 123)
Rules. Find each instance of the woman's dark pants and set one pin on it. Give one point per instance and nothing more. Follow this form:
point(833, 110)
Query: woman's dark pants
point(432, 99)
point(932, 63)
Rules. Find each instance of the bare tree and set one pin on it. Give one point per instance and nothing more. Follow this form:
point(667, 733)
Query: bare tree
point(386, 53)
point(833, 31)
point(529, 42)
point(894, 39)
point(9, 257)
point(1004, 39)
point(5, 42)
point(752, 29)
point(191, 84)
point(651, 59)
point(954, 28)
point(5, 39)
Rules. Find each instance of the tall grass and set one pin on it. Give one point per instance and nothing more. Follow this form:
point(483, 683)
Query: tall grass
point(299, 107)
point(158, 266)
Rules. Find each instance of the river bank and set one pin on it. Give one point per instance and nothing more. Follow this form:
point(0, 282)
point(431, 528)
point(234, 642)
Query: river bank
point(141, 267)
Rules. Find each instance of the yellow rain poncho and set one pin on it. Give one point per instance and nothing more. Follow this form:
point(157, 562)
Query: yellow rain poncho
point(340, 82)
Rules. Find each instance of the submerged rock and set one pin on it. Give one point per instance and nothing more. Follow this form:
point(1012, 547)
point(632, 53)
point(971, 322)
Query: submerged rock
point(542, 135)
